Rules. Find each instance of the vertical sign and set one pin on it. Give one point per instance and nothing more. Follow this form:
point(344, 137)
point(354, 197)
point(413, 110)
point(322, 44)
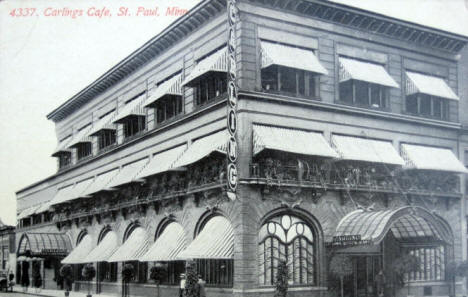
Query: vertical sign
point(233, 16)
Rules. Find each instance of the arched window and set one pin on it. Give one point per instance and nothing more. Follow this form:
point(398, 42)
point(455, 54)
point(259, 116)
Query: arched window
point(287, 237)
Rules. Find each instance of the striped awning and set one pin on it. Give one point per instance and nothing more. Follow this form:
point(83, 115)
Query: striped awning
point(101, 182)
point(27, 212)
point(290, 140)
point(80, 251)
point(104, 250)
point(44, 244)
point(406, 223)
point(216, 62)
point(203, 147)
point(215, 241)
point(289, 56)
point(132, 108)
point(168, 245)
point(172, 86)
point(364, 71)
point(104, 123)
point(430, 85)
point(431, 158)
point(43, 207)
point(162, 162)
point(133, 248)
point(366, 150)
point(62, 147)
point(81, 137)
point(71, 192)
point(128, 173)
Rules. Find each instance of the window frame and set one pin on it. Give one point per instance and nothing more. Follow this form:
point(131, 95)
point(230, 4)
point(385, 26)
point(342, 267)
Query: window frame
point(215, 87)
point(384, 94)
point(309, 91)
point(444, 106)
point(83, 150)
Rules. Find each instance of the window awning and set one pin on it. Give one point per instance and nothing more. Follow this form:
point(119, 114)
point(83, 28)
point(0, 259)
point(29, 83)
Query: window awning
point(431, 158)
point(132, 108)
point(105, 123)
point(81, 137)
point(44, 244)
point(168, 245)
point(162, 162)
point(216, 62)
point(71, 192)
point(62, 147)
point(366, 150)
point(80, 251)
point(289, 56)
point(203, 147)
point(406, 223)
point(170, 87)
point(101, 182)
point(133, 248)
point(27, 212)
point(128, 173)
point(363, 71)
point(105, 249)
point(430, 85)
point(215, 241)
point(43, 207)
point(290, 140)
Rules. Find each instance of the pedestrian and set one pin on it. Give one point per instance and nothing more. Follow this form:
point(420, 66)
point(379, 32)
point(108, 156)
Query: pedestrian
point(182, 285)
point(201, 287)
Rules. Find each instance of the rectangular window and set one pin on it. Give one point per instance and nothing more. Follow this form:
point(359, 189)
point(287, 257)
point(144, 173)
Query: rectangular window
point(64, 160)
point(83, 150)
point(432, 263)
point(174, 270)
point(106, 138)
point(363, 94)
point(427, 106)
point(216, 273)
point(107, 272)
point(290, 81)
point(134, 125)
point(140, 271)
point(209, 87)
point(168, 108)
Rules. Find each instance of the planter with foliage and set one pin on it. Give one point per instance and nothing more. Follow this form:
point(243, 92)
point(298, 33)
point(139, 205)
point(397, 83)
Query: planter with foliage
point(282, 276)
point(341, 266)
point(158, 273)
point(88, 273)
point(66, 272)
point(191, 279)
point(403, 266)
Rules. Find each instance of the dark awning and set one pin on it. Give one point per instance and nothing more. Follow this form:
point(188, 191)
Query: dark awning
point(44, 244)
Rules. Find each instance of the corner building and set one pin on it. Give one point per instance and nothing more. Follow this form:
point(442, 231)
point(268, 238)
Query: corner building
point(348, 142)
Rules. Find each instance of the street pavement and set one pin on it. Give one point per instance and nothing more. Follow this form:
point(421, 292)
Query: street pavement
point(18, 292)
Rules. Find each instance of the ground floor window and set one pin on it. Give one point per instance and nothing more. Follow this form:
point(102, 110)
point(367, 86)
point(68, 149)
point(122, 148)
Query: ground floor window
point(140, 271)
point(432, 263)
point(107, 271)
point(174, 269)
point(216, 272)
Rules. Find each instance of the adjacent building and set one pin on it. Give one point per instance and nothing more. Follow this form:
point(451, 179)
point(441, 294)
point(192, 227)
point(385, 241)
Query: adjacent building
point(281, 131)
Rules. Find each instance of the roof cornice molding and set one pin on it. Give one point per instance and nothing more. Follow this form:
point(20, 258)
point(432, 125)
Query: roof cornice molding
point(371, 22)
point(182, 27)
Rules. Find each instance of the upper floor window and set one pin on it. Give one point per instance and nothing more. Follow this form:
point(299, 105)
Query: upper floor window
point(428, 96)
point(168, 108)
point(167, 100)
point(133, 126)
point(64, 159)
point(133, 116)
point(83, 150)
point(106, 138)
point(208, 77)
point(364, 84)
point(290, 70)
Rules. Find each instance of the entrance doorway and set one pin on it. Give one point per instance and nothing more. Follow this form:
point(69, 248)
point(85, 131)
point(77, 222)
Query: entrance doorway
point(362, 282)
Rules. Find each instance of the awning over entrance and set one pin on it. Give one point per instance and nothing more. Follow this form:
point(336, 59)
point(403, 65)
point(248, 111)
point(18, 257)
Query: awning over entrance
point(71, 192)
point(80, 251)
point(44, 244)
point(406, 223)
point(132, 108)
point(367, 150)
point(430, 85)
point(104, 249)
point(215, 241)
point(290, 140)
point(105, 123)
point(203, 147)
point(101, 182)
point(133, 248)
point(363, 71)
point(171, 86)
point(162, 162)
point(168, 245)
point(431, 158)
point(81, 137)
point(289, 56)
point(216, 62)
point(128, 173)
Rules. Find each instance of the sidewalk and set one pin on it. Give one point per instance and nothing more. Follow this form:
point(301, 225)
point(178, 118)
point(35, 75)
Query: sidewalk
point(55, 293)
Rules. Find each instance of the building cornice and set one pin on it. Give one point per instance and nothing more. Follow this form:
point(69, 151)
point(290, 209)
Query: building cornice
point(182, 27)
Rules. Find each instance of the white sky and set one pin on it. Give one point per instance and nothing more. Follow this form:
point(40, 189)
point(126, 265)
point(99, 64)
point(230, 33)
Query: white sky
point(45, 60)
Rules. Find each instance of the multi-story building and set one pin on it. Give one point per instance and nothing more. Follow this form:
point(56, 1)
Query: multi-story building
point(337, 131)
point(7, 247)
